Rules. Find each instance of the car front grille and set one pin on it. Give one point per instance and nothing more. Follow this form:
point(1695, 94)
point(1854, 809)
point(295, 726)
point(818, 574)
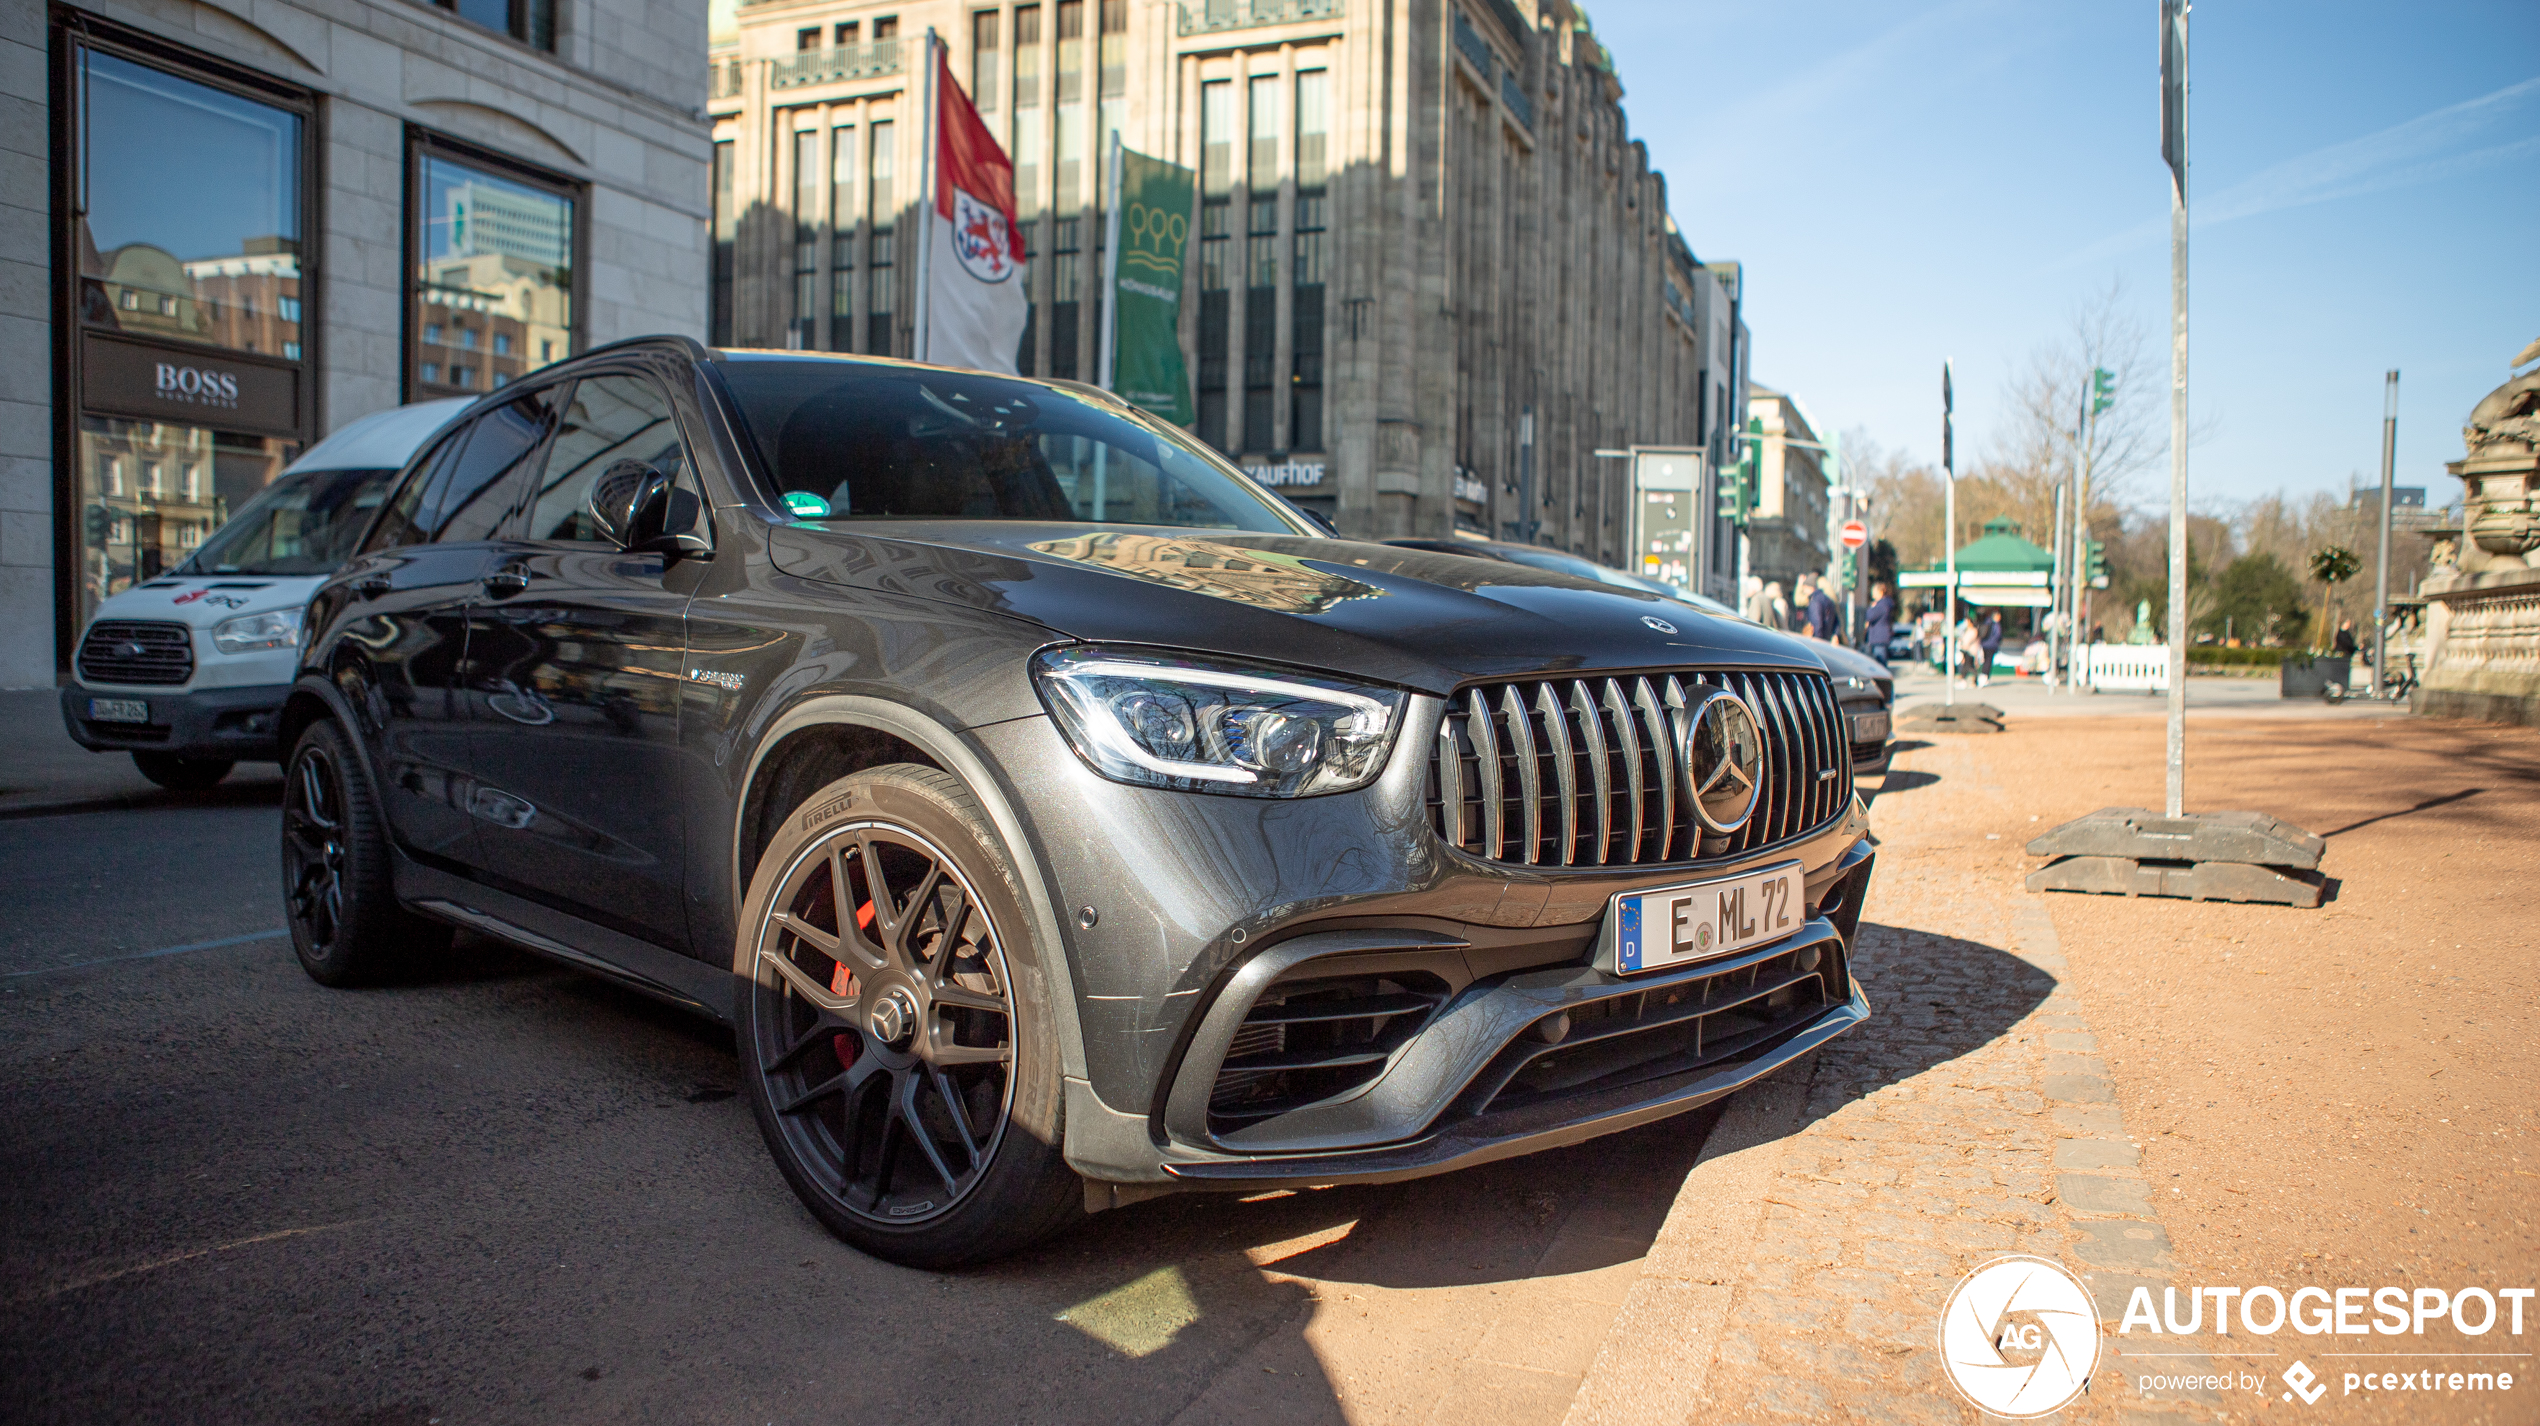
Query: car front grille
point(130, 651)
point(1310, 1039)
point(1591, 772)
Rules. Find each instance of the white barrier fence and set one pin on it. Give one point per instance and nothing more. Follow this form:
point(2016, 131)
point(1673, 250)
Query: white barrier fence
point(2122, 668)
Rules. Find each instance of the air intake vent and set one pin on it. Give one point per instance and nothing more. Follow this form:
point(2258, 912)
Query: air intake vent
point(1590, 772)
point(1307, 1040)
point(131, 652)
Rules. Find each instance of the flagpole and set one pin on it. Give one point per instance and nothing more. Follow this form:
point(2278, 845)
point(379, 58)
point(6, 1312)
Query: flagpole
point(926, 205)
point(1105, 361)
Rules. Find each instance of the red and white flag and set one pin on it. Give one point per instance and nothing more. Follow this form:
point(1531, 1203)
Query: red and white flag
point(977, 303)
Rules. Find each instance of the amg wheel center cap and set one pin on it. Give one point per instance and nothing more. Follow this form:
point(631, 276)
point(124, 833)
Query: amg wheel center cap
point(892, 1016)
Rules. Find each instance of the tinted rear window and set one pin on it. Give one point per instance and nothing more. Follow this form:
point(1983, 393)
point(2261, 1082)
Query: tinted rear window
point(910, 443)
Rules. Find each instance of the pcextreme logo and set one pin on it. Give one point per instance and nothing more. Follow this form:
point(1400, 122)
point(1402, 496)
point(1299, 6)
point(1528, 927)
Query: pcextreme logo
point(2019, 1337)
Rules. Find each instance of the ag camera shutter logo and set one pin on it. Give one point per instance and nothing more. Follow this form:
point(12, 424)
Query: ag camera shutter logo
point(2019, 1337)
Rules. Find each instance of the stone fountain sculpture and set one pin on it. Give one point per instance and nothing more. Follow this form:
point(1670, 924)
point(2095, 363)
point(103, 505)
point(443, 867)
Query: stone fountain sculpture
point(2483, 609)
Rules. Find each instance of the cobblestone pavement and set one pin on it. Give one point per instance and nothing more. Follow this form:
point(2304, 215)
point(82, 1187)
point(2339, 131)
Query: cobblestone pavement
point(1802, 1272)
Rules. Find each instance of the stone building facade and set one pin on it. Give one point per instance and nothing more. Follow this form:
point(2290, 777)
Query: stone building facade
point(239, 224)
point(1432, 269)
point(1788, 532)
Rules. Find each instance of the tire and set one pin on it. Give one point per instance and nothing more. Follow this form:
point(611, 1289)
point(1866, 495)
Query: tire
point(337, 895)
point(905, 1075)
point(178, 774)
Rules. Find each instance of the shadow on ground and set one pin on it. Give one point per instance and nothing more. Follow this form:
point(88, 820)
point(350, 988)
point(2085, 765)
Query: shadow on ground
point(1933, 999)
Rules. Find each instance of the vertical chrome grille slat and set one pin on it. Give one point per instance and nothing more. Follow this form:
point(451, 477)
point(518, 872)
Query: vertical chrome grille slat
point(1628, 734)
point(1450, 783)
point(1521, 744)
point(1477, 726)
point(1565, 778)
point(1598, 771)
point(1600, 778)
point(1663, 755)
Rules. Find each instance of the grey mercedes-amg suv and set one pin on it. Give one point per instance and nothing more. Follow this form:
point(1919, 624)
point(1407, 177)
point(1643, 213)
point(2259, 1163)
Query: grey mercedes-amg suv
point(1057, 817)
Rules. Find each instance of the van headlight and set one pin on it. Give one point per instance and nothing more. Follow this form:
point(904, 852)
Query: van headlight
point(1198, 724)
point(252, 633)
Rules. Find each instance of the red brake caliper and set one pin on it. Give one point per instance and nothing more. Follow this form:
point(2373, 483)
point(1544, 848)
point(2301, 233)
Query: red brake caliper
point(842, 983)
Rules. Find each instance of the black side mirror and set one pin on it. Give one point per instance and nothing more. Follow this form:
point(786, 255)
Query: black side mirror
point(641, 508)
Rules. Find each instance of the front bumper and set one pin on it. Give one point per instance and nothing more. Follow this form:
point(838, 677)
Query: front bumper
point(233, 724)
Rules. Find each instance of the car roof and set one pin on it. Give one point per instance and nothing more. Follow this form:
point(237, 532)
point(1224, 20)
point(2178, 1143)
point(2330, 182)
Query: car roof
point(382, 440)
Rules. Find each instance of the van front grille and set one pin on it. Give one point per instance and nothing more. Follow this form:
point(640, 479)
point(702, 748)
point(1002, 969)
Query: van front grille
point(131, 651)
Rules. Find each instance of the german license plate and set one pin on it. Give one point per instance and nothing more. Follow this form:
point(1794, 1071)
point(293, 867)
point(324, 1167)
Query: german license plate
point(1678, 925)
point(1870, 727)
point(118, 710)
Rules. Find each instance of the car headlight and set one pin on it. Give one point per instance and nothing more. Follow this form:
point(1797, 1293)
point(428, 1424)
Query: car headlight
point(1204, 725)
point(249, 633)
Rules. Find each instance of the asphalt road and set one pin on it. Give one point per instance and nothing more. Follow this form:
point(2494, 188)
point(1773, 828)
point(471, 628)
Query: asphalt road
point(509, 1193)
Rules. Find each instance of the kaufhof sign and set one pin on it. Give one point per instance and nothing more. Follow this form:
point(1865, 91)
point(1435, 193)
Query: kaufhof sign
point(1289, 473)
point(2020, 1337)
point(195, 385)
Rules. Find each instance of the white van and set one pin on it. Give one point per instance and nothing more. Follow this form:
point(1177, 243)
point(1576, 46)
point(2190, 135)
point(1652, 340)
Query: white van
point(187, 671)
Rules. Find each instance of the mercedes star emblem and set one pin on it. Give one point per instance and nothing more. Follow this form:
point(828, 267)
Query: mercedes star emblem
point(1661, 625)
point(1723, 760)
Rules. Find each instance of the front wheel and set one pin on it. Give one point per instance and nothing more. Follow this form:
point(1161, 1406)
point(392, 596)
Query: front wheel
point(337, 897)
point(897, 1053)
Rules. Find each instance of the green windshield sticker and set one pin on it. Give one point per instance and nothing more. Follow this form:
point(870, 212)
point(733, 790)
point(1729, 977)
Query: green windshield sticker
point(805, 504)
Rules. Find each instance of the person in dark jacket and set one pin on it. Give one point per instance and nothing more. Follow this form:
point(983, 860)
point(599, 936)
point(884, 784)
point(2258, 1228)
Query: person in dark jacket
point(1880, 621)
point(1821, 613)
point(1990, 636)
point(2345, 646)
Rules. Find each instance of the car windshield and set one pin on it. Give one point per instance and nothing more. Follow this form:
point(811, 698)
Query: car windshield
point(852, 441)
point(301, 524)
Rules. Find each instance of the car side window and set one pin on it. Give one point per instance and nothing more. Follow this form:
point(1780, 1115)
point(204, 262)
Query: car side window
point(608, 419)
point(484, 483)
point(401, 523)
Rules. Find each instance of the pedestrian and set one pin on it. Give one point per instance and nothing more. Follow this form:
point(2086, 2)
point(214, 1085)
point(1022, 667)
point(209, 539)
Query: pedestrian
point(1965, 647)
point(1880, 620)
point(1776, 608)
point(2346, 638)
point(1990, 640)
point(1822, 622)
point(1751, 599)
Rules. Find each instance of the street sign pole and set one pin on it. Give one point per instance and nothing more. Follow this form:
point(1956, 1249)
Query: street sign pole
point(2381, 566)
point(2174, 149)
point(1949, 539)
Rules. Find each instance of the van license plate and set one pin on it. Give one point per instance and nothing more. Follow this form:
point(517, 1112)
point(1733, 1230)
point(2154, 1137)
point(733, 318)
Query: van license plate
point(1678, 925)
point(118, 710)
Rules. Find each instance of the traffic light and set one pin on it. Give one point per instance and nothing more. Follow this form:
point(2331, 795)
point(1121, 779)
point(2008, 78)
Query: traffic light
point(2097, 568)
point(1846, 570)
point(1737, 483)
point(2103, 389)
point(100, 522)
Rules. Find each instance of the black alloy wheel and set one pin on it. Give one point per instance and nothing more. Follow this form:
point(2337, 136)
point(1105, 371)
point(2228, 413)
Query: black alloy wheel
point(884, 1040)
point(337, 899)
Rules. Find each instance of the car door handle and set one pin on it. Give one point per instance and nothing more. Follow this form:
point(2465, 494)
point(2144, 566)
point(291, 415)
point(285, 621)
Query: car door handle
point(506, 582)
point(373, 587)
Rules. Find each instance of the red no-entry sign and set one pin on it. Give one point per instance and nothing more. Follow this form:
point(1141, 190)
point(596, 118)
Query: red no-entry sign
point(1855, 534)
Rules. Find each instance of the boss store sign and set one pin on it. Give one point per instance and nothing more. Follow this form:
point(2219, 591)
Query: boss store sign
point(189, 385)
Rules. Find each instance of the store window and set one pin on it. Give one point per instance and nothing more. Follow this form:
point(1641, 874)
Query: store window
point(493, 296)
point(1306, 272)
point(187, 391)
point(1216, 226)
point(808, 191)
point(842, 238)
point(882, 210)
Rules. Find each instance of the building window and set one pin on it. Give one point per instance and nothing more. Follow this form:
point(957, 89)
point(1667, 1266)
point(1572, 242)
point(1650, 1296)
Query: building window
point(1216, 226)
point(1307, 272)
point(532, 22)
point(1066, 280)
point(1111, 107)
point(494, 249)
point(807, 39)
point(1261, 266)
point(1071, 106)
point(881, 213)
point(983, 60)
point(808, 191)
point(432, 371)
point(842, 238)
point(719, 295)
point(848, 34)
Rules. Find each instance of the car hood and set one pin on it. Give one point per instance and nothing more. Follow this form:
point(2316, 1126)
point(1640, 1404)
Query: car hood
point(1412, 618)
point(202, 601)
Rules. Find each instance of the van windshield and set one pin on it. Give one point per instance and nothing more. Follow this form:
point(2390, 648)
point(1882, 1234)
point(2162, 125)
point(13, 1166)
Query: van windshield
point(851, 441)
point(301, 524)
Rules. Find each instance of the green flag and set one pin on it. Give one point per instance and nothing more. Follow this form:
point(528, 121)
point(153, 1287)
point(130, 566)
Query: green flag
point(1151, 229)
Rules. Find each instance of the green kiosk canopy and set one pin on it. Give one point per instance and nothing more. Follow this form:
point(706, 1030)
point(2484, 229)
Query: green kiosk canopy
point(1998, 569)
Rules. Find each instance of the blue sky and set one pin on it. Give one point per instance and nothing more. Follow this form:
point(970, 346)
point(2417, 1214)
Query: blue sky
point(1912, 181)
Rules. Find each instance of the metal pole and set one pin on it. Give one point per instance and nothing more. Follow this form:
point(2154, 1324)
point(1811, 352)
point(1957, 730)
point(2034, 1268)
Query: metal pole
point(2176, 799)
point(2055, 597)
point(1110, 267)
point(927, 178)
point(2381, 566)
point(1949, 539)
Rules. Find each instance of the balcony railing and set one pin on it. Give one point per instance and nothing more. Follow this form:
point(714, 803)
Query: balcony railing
point(827, 66)
point(723, 79)
point(1202, 17)
point(1513, 94)
point(1475, 48)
